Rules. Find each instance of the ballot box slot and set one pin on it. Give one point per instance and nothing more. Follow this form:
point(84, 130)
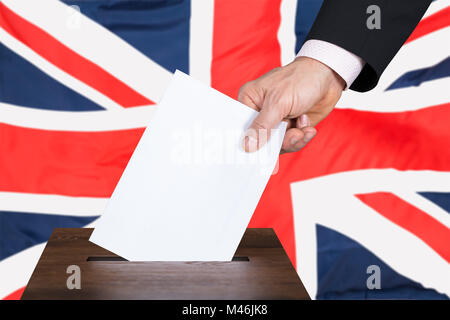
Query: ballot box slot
point(243, 259)
point(116, 258)
point(106, 258)
point(107, 275)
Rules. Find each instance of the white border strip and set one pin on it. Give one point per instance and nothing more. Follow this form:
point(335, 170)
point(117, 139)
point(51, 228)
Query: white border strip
point(201, 40)
point(96, 44)
point(286, 32)
point(91, 121)
point(52, 204)
point(429, 93)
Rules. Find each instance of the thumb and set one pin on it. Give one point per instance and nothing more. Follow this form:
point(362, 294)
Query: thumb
point(258, 133)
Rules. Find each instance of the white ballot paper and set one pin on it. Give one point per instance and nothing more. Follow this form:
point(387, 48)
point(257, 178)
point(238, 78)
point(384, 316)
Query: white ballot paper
point(189, 189)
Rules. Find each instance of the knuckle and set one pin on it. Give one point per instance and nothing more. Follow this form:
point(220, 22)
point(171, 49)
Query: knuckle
point(246, 87)
point(259, 125)
point(279, 103)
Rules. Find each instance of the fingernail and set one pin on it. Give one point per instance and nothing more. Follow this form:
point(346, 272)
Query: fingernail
point(304, 121)
point(250, 141)
point(308, 136)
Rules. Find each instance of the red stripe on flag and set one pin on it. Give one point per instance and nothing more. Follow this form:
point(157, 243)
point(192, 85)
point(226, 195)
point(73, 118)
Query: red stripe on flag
point(436, 21)
point(91, 163)
point(245, 46)
point(355, 140)
point(62, 162)
point(68, 60)
point(428, 229)
point(16, 295)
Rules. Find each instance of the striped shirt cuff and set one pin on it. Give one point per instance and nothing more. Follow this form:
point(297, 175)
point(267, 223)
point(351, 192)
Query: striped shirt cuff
point(344, 63)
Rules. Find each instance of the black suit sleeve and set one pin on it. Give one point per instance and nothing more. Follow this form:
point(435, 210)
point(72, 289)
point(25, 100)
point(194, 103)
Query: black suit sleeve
point(343, 23)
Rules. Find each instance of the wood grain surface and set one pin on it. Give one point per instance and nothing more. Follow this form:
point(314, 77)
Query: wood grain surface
point(260, 270)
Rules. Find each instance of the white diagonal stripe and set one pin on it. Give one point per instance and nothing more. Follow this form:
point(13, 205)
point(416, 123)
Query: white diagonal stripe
point(436, 6)
point(97, 44)
point(412, 56)
point(56, 73)
point(425, 205)
point(16, 270)
point(343, 212)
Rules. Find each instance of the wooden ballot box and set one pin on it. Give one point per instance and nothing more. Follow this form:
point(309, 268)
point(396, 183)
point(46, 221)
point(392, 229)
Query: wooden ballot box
point(260, 270)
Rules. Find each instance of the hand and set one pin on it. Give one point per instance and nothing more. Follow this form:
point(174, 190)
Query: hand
point(303, 93)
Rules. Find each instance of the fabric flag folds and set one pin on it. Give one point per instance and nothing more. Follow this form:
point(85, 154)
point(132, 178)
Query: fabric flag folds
point(78, 84)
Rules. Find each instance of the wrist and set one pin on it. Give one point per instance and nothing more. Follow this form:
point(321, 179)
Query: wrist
point(345, 63)
point(331, 77)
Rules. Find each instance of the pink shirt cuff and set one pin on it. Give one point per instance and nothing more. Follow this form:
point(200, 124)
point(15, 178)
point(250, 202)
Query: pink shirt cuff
point(343, 62)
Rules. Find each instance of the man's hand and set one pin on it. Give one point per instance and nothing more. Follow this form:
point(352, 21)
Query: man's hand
point(303, 93)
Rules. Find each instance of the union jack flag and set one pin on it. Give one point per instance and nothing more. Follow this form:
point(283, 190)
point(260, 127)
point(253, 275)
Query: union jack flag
point(78, 84)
